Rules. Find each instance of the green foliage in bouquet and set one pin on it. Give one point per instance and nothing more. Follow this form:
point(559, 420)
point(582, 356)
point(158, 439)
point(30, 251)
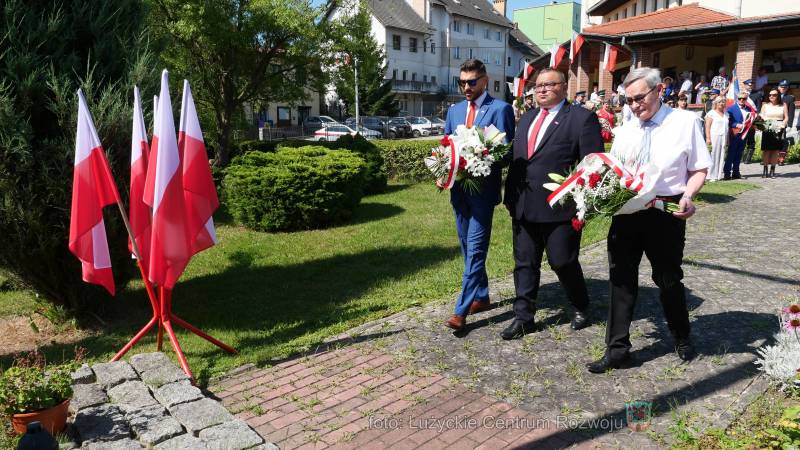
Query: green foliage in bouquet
point(294, 188)
point(47, 51)
point(32, 385)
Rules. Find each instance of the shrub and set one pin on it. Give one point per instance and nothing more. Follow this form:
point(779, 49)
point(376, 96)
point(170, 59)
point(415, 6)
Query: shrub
point(294, 188)
point(404, 159)
point(242, 147)
point(46, 47)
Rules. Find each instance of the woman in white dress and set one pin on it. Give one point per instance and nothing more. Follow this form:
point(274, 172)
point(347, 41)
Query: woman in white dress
point(717, 137)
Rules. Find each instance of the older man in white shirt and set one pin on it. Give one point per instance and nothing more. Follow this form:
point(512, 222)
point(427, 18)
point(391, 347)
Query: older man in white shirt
point(673, 141)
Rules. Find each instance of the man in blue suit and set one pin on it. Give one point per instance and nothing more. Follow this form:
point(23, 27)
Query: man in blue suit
point(474, 211)
point(736, 143)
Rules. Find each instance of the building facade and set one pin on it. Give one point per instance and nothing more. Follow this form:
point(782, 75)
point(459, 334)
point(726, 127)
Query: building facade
point(548, 24)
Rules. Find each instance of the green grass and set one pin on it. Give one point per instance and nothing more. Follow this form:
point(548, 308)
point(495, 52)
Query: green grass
point(272, 295)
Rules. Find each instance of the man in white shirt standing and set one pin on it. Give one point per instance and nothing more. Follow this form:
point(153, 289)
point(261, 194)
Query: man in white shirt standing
point(673, 141)
point(686, 86)
point(762, 79)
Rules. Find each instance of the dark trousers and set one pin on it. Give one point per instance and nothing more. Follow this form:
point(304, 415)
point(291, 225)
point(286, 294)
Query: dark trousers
point(750, 146)
point(563, 244)
point(734, 157)
point(661, 237)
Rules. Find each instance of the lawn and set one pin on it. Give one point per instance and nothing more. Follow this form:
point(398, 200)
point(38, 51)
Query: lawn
point(272, 295)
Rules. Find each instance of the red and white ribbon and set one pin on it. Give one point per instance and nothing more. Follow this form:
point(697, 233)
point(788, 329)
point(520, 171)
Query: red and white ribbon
point(627, 180)
point(452, 170)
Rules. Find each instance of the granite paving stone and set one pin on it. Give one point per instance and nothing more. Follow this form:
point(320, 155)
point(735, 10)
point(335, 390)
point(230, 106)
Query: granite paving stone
point(149, 361)
point(113, 373)
point(123, 444)
point(131, 395)
point(86, 395)
point(102, 423)
point(182, 442)
point(83, 375)
point(153, 424)
point(161, 375)
point(200, 414)
point(234, 435)
point(176, 393)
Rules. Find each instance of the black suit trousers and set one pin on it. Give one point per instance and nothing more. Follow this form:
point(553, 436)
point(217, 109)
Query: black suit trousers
point(562, 243)
point(661, 237)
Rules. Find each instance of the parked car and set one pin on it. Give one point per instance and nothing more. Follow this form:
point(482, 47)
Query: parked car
point(335, 131)
point(381, 125)
point(402, 125)
point(312, 123)
point(422, 126)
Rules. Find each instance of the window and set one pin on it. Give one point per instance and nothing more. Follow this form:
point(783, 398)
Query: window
point(396, 42)
point(405, 75)
point(625, 13)
point(486, 33)
point(394, 74)
point(470, 53)
point(424, 45)
point(284, 116)
point(433, 48)
point(457, 26)
point(433, 79)
point(413, 76)
point(456, 52)
point(470, 28)
point(499, 36)
point(455, 82)
point(509, 61)
point(635, 8)
point(412, 45)
point(425, 78)
point(497, 86)
point(616, 16)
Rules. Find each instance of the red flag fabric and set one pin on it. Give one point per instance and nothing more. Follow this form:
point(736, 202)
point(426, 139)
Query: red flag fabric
point(138, 210)
point(610, 57)
point(575, 46)
point(93, 188)
point(556, 55)
point(200, 193)
point(519, 87)
point(527, 72)
point(170, 247)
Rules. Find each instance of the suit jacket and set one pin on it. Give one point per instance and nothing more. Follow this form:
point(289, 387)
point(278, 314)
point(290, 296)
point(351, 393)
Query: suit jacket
point(789, 100)
point(735, 118)
point(573, 134)
point(491, 112)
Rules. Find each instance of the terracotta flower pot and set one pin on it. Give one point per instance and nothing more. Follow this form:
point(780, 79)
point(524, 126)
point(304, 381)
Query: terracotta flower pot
point(53, 419)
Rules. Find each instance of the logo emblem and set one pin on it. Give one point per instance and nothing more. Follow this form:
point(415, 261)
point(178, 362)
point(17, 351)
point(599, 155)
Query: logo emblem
point(638, 414)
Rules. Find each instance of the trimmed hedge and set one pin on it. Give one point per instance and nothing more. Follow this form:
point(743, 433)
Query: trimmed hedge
point(404, 160)
point(294, 188)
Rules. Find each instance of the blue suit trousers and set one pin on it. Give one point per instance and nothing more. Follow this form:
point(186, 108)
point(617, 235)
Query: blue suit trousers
point(474, 225)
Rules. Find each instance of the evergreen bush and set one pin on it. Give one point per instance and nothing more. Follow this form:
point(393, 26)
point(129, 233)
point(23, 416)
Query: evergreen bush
point(294, 188)
point(404, 159)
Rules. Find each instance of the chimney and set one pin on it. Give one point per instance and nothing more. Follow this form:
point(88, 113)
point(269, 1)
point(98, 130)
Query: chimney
point(500, 6)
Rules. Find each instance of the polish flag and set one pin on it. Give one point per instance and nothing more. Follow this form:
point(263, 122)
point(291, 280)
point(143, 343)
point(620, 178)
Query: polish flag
point(557, 53)
point(93, 188)
point(519, 87)
point(527, 71)
point(575, 46)
point(139, 212)
point(170, 245)
point(155, 112)
point(199, 191)
point(610, 58)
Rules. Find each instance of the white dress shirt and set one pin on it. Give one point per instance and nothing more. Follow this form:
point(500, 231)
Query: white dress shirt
point(478, 103)
point(627, 113)
point(551, 114)
point(677, 146)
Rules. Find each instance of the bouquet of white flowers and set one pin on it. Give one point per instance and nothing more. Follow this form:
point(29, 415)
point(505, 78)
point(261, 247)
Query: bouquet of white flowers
point(601, 186)
point(466, 156)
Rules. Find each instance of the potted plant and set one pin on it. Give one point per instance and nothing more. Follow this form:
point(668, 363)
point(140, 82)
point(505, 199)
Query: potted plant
point(31, 390)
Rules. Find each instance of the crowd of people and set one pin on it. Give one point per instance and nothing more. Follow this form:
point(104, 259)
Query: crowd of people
point(730, 131)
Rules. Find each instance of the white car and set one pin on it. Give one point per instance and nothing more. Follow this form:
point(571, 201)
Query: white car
point(422, 126)
point(334, 132)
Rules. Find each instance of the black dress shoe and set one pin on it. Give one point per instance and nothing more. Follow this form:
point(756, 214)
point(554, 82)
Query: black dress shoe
point(737, 176)
point(685, 349)
point(726, 178)
point(517, 329)
point(579, 321)
point(605, 363)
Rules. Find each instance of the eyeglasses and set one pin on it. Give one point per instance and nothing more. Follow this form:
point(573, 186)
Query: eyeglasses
point(742, 98)
point(640, 97)
point(471, 83)
point(549, 86)
point(773, 95)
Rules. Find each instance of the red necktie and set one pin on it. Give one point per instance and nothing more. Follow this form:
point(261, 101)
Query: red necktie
point(471, 114)
point(535, 133)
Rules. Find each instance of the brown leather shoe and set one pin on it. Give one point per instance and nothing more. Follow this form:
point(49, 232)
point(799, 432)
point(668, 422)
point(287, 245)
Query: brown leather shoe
point(477, 307)
point(456, 322)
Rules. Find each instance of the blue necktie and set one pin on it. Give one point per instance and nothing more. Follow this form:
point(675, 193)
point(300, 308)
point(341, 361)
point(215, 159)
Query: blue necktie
point(644, 152)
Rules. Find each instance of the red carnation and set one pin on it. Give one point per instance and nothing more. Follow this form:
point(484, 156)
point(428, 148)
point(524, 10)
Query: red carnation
point(433, 153)
point(445, 141)
point(594, 178)
point(580, 181)
point(485, 152)
point(462, 163)
point(577, 224)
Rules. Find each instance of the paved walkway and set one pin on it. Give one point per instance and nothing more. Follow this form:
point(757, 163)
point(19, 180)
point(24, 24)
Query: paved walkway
point(407, 382)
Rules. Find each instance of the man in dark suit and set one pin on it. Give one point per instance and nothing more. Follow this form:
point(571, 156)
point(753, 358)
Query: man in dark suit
point(552, 139)
point(757, 97)
point(474, 211)
point(736, 116)
point(788, 99)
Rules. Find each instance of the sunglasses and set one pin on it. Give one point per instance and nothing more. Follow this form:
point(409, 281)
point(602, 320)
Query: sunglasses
point(471, 83)
point(773, 95)
point(640, 97)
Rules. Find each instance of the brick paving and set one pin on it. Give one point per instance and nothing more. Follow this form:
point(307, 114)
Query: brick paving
point(407, 382)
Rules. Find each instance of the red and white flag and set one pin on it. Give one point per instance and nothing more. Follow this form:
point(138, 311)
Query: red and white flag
point(557, 53)
point(93, 188)
point(575, 46)
point(170, 246)
point(155, 111)
point(519, 87)
point(527, 71)
point(139, 211)
point(200, 193)
point(610, 58)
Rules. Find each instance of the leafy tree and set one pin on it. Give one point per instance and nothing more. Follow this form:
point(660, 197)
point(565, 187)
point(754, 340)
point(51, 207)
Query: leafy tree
point(354, 41)
point(48, 49)
point(237, 51)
